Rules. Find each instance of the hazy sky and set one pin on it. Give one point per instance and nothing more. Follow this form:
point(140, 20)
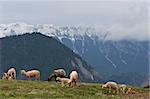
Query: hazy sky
point(123, 18)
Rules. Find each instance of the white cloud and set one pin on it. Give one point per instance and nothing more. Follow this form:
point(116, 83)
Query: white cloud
point(119, 32)
point(124, 19)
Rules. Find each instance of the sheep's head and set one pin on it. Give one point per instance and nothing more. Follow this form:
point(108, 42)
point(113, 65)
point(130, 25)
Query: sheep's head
point(10, 78)
point(104, 86)
point(22, 72)
point(50, 77)
point(5, 74)
point(69, 82)
point(58, 78)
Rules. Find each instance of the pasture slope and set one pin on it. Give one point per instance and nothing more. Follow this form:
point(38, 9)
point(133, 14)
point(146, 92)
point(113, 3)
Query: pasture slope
point(19, 89)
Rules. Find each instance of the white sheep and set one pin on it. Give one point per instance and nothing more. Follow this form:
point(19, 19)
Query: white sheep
point(31, 74)
point(6, 77)
point(57, 73)
point(130, 91)
point(123, 88)
point(12, 73)
point(73, 78)
point(63, 81)
point(111, 85)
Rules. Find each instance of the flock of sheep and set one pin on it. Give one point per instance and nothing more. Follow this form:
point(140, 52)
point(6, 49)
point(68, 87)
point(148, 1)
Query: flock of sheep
point(60, 75)
point(118, 87)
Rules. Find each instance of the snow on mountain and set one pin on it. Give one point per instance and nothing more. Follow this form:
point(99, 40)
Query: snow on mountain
point(49, 30)
point(15, 29)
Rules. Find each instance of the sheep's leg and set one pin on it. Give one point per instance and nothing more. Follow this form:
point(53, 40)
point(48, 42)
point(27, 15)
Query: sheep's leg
point(117, 90)
point(55, 79)
point(29, 78)
point(75, 83)
point(70, 83)
point(123, 90)
point(37, 78)
point(62, 84)
point(14, 76)
point(109, 89)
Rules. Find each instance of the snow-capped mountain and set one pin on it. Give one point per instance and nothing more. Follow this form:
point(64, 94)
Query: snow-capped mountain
point(49, 30)
point(108, 57)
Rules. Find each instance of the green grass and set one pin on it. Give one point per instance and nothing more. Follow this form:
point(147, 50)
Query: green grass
point(19, 89)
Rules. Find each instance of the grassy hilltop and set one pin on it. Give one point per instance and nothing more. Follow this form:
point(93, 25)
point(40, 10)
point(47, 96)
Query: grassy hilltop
point(19, 89)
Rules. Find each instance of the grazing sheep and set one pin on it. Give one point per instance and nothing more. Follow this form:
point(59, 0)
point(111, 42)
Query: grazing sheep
point(63, 80)
point(146, 86)
point(111, 85)
point(12, 73)
point(31, 74)
point(73, 78)
point(130, 91)
point(123, 88)
point(57, 73)
point(6, 77)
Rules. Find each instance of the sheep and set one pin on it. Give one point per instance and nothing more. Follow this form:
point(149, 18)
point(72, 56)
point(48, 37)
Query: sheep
point(111, 85)
point(31, 74)
point(130, 91)
point(57, 73)
point(123, 88)
point(73, 78)
point(7, 77)
point(63, 80)
point(12, 73)
point(146, 86)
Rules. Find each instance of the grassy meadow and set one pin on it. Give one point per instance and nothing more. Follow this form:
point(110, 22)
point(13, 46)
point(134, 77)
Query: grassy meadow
point(20, 89)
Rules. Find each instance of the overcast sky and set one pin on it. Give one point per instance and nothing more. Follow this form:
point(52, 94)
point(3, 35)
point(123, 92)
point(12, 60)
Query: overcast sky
point(123, 18)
